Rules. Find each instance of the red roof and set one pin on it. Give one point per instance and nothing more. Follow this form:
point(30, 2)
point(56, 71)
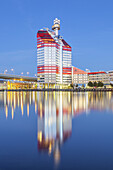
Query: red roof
point(99, 72)
point(78, 71)
point(45, 37)
point(65, 43)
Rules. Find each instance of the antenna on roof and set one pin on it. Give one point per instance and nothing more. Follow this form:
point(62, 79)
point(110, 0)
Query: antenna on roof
point(56, 26)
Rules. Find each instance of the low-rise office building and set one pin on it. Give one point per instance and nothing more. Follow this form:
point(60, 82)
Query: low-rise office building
point(99, 76)
point(79, 76)
point(110, 74)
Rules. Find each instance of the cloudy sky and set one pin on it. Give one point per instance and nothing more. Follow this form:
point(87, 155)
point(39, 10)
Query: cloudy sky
point(87, 25)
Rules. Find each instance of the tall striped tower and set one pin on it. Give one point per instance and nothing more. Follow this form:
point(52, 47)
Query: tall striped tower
point(54, 59)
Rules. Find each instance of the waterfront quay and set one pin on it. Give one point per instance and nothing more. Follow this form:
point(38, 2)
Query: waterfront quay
point(64, 90)
point(25, 83)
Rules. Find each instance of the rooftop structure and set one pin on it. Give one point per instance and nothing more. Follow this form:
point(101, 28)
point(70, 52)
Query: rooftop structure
point(56, 26)
point(17, 77)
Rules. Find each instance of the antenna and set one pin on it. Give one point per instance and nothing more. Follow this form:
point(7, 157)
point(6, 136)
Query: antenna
point(56, 26)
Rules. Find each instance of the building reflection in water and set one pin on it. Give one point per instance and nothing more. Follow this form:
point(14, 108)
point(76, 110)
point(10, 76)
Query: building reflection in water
point(18, 99)
point(54, 121)
point(55, 112)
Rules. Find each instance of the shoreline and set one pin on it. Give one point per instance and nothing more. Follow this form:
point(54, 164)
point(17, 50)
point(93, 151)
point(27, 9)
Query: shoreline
point(70, 90)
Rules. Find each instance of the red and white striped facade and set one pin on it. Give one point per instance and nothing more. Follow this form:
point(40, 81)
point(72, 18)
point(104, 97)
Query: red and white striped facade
point(54, 59)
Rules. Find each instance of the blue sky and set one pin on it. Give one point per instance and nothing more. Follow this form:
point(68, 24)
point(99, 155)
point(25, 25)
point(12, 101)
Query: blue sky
point(87, 25)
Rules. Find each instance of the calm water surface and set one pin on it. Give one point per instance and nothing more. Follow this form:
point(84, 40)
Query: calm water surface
point(56, 130)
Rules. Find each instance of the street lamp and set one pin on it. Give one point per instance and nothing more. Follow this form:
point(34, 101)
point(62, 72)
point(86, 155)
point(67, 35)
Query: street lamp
point(5, 71)
point(27, 73)
point(12, 70)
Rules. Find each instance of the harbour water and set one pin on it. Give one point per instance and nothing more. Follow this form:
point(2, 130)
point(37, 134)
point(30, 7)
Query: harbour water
point(56, 130)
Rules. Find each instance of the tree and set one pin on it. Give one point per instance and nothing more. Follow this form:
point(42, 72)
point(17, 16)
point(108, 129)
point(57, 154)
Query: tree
point(71, 85)
point(83, 85)
point(111, 84)
point(95, 84)
point(100, 84)
point(90, 84)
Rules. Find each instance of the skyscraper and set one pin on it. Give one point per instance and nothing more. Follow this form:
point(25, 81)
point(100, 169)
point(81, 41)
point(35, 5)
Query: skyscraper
point(54, 58)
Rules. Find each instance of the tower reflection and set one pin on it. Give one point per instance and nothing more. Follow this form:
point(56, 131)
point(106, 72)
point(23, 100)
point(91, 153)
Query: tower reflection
point(54, 121)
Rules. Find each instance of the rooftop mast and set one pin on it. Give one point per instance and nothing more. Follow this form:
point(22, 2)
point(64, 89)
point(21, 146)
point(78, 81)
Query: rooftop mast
point(56, 26)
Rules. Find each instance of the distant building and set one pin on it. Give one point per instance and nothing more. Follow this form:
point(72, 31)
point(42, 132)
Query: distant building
point(3, 84)
point(79, 77)
point(110, 74)
point(98, 76)
point(54, 58)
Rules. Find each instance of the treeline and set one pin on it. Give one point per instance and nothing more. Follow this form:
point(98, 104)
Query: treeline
point(95, 84)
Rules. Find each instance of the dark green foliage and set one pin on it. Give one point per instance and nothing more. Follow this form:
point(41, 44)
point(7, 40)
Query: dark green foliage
point(90, 84)
point(100, 84)
point(83, 85)
point(111, 85)
point(95, 84)
point(71, 85)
